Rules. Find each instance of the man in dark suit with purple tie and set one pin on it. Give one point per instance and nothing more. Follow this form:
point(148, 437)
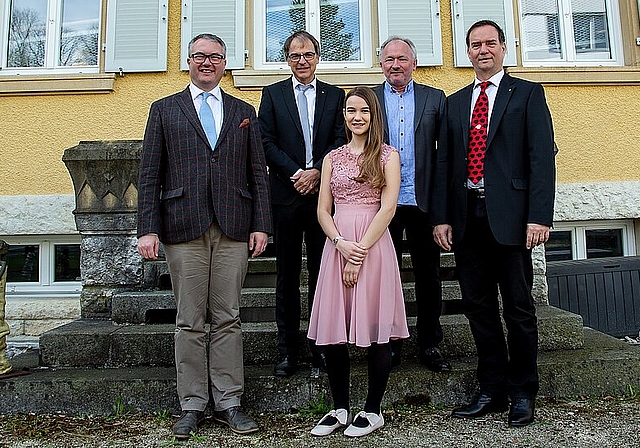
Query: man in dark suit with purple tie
point(203, 193)
point(493, 202)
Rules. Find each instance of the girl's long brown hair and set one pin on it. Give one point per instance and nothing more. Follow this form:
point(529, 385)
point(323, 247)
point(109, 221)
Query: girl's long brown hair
point(370, 162)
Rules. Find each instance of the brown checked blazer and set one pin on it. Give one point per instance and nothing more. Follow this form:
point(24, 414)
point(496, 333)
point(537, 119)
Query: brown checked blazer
point(184, 186)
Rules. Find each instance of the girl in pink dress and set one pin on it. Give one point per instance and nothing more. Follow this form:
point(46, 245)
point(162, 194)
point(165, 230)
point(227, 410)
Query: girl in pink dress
point(358, 299)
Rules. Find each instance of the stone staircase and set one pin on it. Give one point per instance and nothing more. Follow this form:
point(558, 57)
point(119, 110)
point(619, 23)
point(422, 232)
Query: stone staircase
point(85, 366)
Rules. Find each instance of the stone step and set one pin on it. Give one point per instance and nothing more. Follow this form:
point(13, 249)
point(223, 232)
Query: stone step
point(95, 343)
point(257, 304)
point(603, 366)
point(262, 272)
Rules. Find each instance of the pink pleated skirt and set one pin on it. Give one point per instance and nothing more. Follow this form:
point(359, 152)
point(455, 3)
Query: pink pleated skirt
point(373, 310)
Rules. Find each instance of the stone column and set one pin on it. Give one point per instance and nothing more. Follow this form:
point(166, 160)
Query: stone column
point(105, 178)
point(5, 366)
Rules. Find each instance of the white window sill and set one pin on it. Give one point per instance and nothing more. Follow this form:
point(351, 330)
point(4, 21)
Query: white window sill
point(60, 83)
point(345, 77)
point(579, 75)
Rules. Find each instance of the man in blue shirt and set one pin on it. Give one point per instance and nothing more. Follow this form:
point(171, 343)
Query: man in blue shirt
point(413, 114)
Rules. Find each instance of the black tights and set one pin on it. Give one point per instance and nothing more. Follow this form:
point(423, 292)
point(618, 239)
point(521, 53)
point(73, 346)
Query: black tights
point(338, 370)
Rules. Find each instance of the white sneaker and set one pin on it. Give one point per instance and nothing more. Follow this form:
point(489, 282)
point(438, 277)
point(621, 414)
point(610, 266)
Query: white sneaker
point(375, 421)
point(342, 417)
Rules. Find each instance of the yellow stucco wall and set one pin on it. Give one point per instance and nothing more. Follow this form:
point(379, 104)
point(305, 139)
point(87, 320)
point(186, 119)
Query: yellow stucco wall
point(597, 128)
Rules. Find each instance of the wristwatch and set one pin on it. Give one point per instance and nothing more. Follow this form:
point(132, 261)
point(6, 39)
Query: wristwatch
point(336, 239)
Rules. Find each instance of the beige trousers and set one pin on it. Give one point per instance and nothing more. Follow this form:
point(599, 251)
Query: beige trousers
point(207, 276)
point(5, 367)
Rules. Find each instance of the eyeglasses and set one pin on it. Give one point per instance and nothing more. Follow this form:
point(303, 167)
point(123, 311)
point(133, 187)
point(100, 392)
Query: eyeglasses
point(295, 57)
point(199, 58)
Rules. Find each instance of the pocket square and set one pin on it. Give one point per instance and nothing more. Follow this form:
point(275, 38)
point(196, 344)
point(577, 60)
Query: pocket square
point(244, 124)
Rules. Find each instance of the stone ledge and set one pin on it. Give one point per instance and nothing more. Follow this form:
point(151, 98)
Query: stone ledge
point(57, 84)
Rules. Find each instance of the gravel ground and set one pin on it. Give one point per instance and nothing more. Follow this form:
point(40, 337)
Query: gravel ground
point(609, 422)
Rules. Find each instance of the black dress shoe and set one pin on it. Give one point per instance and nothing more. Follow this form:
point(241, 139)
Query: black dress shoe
point(187, 425)
point(236, 419)
point(434, 361)
point(286, 367)
point(482, 405)
point(521, 411)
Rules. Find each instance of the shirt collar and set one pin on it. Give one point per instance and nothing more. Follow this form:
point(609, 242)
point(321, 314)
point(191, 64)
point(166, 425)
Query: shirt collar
point(390, 89)
point(296, 83)
point(195, 91)
point(494, 80)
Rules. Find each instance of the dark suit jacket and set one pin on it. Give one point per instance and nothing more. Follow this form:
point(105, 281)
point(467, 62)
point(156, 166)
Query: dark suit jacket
point(519, 174)
point(282, 133)
point(427, 124)
point(184, 186)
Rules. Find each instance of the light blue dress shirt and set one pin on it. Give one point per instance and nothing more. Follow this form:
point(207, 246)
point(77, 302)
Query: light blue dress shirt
point(400, 109)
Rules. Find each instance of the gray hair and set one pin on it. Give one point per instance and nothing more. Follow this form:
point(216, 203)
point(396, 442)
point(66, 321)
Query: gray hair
point(209, 37)
point(406, 40)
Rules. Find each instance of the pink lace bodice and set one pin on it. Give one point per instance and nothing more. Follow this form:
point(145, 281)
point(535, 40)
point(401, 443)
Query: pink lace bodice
point(344, 166)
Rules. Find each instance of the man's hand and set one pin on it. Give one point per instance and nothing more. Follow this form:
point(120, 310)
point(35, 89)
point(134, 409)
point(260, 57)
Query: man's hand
point(307, 181)
point(537, 234)
point(257, 243)
point(148, 246)
point(443, 236)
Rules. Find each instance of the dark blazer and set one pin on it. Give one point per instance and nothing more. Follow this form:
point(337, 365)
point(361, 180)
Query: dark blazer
point(282, 133)
point(184, 186)
point(519, 174)
point(427, 125)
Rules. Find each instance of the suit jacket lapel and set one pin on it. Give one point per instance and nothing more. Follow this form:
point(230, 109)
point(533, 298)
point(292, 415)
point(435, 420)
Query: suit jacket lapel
point(290, 103)
point(505, 90)
point(420, 98)
point(464, 112)
point(230, 110)
point(185, 102)
point(379, 91)
point(321, 96)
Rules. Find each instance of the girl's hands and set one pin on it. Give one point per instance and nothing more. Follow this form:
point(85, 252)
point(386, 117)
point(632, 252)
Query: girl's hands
point(354, 254)
point(350, 274)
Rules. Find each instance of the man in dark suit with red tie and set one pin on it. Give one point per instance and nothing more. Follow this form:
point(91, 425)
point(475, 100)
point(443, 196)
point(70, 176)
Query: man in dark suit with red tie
point(301, 121)
point(493, 203)
point(203, 193)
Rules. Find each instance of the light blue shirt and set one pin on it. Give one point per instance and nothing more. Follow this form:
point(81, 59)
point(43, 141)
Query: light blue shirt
point(400, 109)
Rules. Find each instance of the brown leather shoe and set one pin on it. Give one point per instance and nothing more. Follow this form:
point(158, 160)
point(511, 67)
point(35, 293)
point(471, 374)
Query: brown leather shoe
point(236, 419)
point(187, 425)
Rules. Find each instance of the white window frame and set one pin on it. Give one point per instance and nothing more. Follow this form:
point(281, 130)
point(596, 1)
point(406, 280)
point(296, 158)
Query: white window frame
point(52, 42)
point(231, 8)
point(578, 231)
point(565, 17)
point(401, 19)
point(313, 27)
point(466, 12)
point(143, 39)
point(46, 263)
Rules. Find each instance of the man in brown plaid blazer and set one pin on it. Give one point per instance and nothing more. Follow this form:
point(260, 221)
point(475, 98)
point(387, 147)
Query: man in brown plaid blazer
point(203, 193)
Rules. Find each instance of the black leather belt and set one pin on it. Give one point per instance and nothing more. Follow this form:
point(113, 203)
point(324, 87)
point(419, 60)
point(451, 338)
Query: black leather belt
point(476, 193)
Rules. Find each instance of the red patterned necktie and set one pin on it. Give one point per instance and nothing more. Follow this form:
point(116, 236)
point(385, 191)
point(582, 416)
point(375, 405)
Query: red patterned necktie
point(478, 135)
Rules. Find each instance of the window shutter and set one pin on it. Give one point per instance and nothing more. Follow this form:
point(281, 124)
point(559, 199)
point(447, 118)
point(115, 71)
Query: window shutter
point(224, 18)
point(419, 20)
point(4, 35)
point(466, 12)
point(136, 36)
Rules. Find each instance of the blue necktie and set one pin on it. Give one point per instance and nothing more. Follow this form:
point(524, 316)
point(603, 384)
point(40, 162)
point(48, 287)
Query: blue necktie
point(207, 120)
point(303, 111)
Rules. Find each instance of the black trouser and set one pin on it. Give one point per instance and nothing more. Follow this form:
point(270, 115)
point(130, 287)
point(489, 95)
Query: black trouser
point(504, 367)
point(425, 258)
point(292, 223)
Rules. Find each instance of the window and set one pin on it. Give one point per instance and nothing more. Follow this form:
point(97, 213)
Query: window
point(36, 266)
point(41, 35)
point(341, 25)
point(570, 32)
point(596, 239)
